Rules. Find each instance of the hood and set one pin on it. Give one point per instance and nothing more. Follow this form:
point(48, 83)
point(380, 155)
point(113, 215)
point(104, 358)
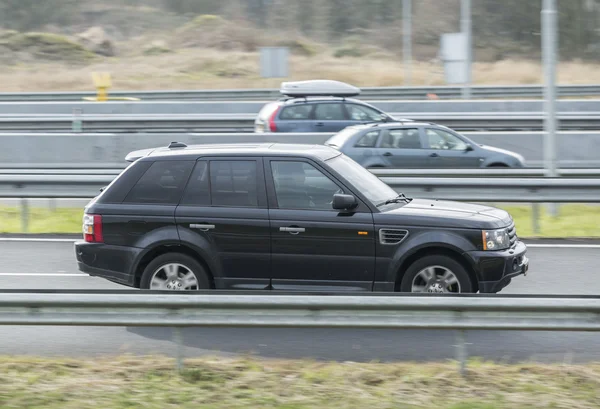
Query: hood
point(502, 151)
point(440, 213)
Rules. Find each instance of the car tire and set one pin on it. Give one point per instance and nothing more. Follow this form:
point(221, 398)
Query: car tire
point(435, 267)
point(175, 269)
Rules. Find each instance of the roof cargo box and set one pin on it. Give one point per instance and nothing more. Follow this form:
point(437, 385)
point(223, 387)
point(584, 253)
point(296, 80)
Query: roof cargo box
point(318, 88)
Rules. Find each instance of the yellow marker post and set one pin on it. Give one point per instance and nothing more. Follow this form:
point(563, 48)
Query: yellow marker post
point(102, 81)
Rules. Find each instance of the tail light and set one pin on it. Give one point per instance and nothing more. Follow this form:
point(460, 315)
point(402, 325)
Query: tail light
point(272, 124)
point(92, 228)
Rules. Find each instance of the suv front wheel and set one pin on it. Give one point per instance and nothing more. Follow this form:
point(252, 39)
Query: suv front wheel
point(174, 272)
point(436, 274)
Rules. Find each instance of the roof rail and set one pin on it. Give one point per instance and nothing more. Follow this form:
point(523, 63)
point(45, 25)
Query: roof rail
point(318, 88)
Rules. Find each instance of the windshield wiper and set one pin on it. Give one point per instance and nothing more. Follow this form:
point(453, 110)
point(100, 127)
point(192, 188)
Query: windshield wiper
point(398, 199)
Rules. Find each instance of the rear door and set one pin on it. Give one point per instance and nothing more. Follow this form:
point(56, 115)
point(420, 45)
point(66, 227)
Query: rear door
point(446, 150)
point(330, 117)
point(403, 148)
point(295, 118)
point(224, 213)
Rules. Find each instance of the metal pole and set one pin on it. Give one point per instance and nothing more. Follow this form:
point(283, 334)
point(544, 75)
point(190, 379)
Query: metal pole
point(24, 215)
point(461, 351)
point(549, 58)
point(465, 28)
point(178, 338)
point(407, 36)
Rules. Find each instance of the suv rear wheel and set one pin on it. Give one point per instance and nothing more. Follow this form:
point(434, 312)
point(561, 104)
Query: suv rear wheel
point(436, 274)
point(174, 272)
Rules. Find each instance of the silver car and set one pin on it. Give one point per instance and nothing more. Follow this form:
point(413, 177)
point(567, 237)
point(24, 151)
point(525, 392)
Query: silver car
point(418, 145)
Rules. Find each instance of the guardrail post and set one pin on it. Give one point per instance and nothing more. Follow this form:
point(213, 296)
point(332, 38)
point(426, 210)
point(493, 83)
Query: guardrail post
point(77, 125)
point(535, 217)
point(178, 337)
point(24, 215)
point(461, 351)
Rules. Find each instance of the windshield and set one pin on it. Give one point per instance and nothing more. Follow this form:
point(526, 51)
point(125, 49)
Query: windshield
point(339, 139)
point(369, 185)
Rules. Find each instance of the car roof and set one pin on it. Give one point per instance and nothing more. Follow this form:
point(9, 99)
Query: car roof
point(317, 152)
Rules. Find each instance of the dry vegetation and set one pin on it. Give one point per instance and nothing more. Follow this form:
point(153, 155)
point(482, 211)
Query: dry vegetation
point(217, 69)
point(209, 52)
point(151, 382)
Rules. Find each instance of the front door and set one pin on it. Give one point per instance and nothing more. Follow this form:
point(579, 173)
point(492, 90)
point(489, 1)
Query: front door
point(402, 148)
point(446, 150)
point(314, 247)
point(224, 213)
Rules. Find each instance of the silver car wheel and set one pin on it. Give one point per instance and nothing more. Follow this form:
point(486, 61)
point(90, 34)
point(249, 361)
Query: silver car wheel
point(435, 279)
point(173, 277)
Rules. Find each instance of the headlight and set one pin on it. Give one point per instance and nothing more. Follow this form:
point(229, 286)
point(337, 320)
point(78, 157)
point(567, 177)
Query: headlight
point(495, 239)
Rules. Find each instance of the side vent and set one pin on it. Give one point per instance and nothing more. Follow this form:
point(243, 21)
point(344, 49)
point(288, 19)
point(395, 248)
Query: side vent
point(392, 236)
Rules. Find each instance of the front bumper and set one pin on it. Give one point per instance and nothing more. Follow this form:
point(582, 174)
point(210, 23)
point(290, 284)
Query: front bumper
point(114, 263)
point(496, 269)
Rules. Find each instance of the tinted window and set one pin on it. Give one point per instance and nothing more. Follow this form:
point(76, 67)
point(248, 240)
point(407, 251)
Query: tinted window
point(233, 183)
point(162, 183)
point(296, 112)
point(330, 112)
point(299, 185)
point(198, 188)
point(362, 113)
point(368, 140)
point(401, 139)
point(406, 138)
point(439, 139)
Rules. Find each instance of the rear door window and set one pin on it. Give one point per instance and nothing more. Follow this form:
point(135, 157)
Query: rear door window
point(162, 183)
point(296, 113)
point(234, 183)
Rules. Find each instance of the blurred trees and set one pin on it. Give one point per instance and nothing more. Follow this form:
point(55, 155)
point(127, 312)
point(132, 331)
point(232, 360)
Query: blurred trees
point(507, 26)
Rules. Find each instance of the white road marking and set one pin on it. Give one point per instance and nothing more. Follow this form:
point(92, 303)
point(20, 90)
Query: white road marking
point(563, 246)
point(33, 239)
point(43, 275)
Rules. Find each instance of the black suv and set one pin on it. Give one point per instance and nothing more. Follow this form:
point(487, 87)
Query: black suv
point(287, 217)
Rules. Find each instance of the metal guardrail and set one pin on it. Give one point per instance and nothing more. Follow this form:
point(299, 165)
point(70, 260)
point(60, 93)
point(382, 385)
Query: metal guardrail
point(472, 189)
point(208, 309)
point(419, 92)
point(485, 189)
point(486, 121)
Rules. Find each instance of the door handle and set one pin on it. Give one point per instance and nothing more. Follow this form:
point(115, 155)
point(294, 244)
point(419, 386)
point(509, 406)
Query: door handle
point(203, 227)
point(434, 155)
point(292, 230)
point(387, 154)
point(319, 124)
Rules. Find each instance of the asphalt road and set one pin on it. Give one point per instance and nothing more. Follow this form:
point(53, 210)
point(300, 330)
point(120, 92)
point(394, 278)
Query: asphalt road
point(554, 270)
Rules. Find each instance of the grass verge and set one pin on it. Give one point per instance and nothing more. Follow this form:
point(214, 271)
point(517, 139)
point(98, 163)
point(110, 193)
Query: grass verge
point(151, 382)
point(574, 220)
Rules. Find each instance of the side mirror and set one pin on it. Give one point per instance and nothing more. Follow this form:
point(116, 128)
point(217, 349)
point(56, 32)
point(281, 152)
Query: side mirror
point(469, 148)
point(344, 202)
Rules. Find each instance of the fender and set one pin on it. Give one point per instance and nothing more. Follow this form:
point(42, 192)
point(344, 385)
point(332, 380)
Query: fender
point(203, 248)
point(164, 236)
point(424, 240)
